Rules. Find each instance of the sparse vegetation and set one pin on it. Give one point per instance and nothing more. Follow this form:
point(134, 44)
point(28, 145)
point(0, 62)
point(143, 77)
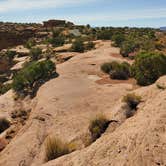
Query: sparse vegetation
point(78, 45)
point(57, 39)
point(4, 124)
point(4, 88)
point(30, 43)
point(98, 126)
point(35, 53)
point(89, 46)
point(10, 55)
point(55, 148)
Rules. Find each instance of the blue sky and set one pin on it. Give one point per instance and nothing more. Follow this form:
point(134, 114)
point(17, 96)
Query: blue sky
point(142, 13)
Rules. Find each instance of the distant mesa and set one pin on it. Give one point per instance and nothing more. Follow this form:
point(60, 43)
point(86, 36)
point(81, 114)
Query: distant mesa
point(57, 23)
point(163, 28)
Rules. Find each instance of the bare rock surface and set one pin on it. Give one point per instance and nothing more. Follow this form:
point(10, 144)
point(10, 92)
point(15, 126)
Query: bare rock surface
point(64, 106)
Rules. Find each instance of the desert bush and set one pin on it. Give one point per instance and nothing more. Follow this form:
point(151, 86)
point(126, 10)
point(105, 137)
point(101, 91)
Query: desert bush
point(104, 34)
point(55, 148)
point(120, 71)
point(148, 67)
point(35, 53)
point(117, 70)
point(118, 39)
point(98, 126)
point(128, 47)
point(30, 43)
point(78, 45)
point(56, 32)
point(10, 54)
point(132, 100)
point(106, 67)
point(89, 46)
point(32, 76)
point(4, 124)
point(4, 88)
point(57, 41)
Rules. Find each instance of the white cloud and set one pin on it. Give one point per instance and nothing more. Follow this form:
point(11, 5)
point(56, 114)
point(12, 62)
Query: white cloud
point(122, 16)
point(12, 5)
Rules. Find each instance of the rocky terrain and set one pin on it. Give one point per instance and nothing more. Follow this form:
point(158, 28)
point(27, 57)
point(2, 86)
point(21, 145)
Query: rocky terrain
point(64, 107)
point(13, 34)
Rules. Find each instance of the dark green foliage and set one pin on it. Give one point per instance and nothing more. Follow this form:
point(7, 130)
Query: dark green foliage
point(78, 45)
point(4, 124)
point(128, 47)
point(120, 71)
point(4, 88)
point(35, 53)
point(104, 34)
point(148, 67)
point(118, 39)
point(32, 75)
point(10, 54)
point(106, 67)
point(57, 41)
point(133, 40)
point(57, 38)
point(98, 126)
point(117, 70)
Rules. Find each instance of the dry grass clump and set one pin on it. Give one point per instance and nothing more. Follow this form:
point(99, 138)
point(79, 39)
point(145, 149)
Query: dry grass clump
point(132, 100)
point(98, 126)
point(55, 148)
point(4, 124)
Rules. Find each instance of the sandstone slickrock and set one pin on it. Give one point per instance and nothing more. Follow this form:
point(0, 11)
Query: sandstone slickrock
point(64, 106)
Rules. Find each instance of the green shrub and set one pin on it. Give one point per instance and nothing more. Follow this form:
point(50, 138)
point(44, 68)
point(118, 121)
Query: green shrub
point(106, 67)
point(55, 148)
point(4, 124)
point(98, 126)
point(118, 39)
point(10, 54)
point(89, 46)
point(148, 67)
point(78, 45)
point(104, 34)
point(30, 43)
point(32, 76)
point(4, 88)
point(117, 70)
point(132, 100)
point(127, 48)
point(57, 41)
point(35, 53)
point(56, 32)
